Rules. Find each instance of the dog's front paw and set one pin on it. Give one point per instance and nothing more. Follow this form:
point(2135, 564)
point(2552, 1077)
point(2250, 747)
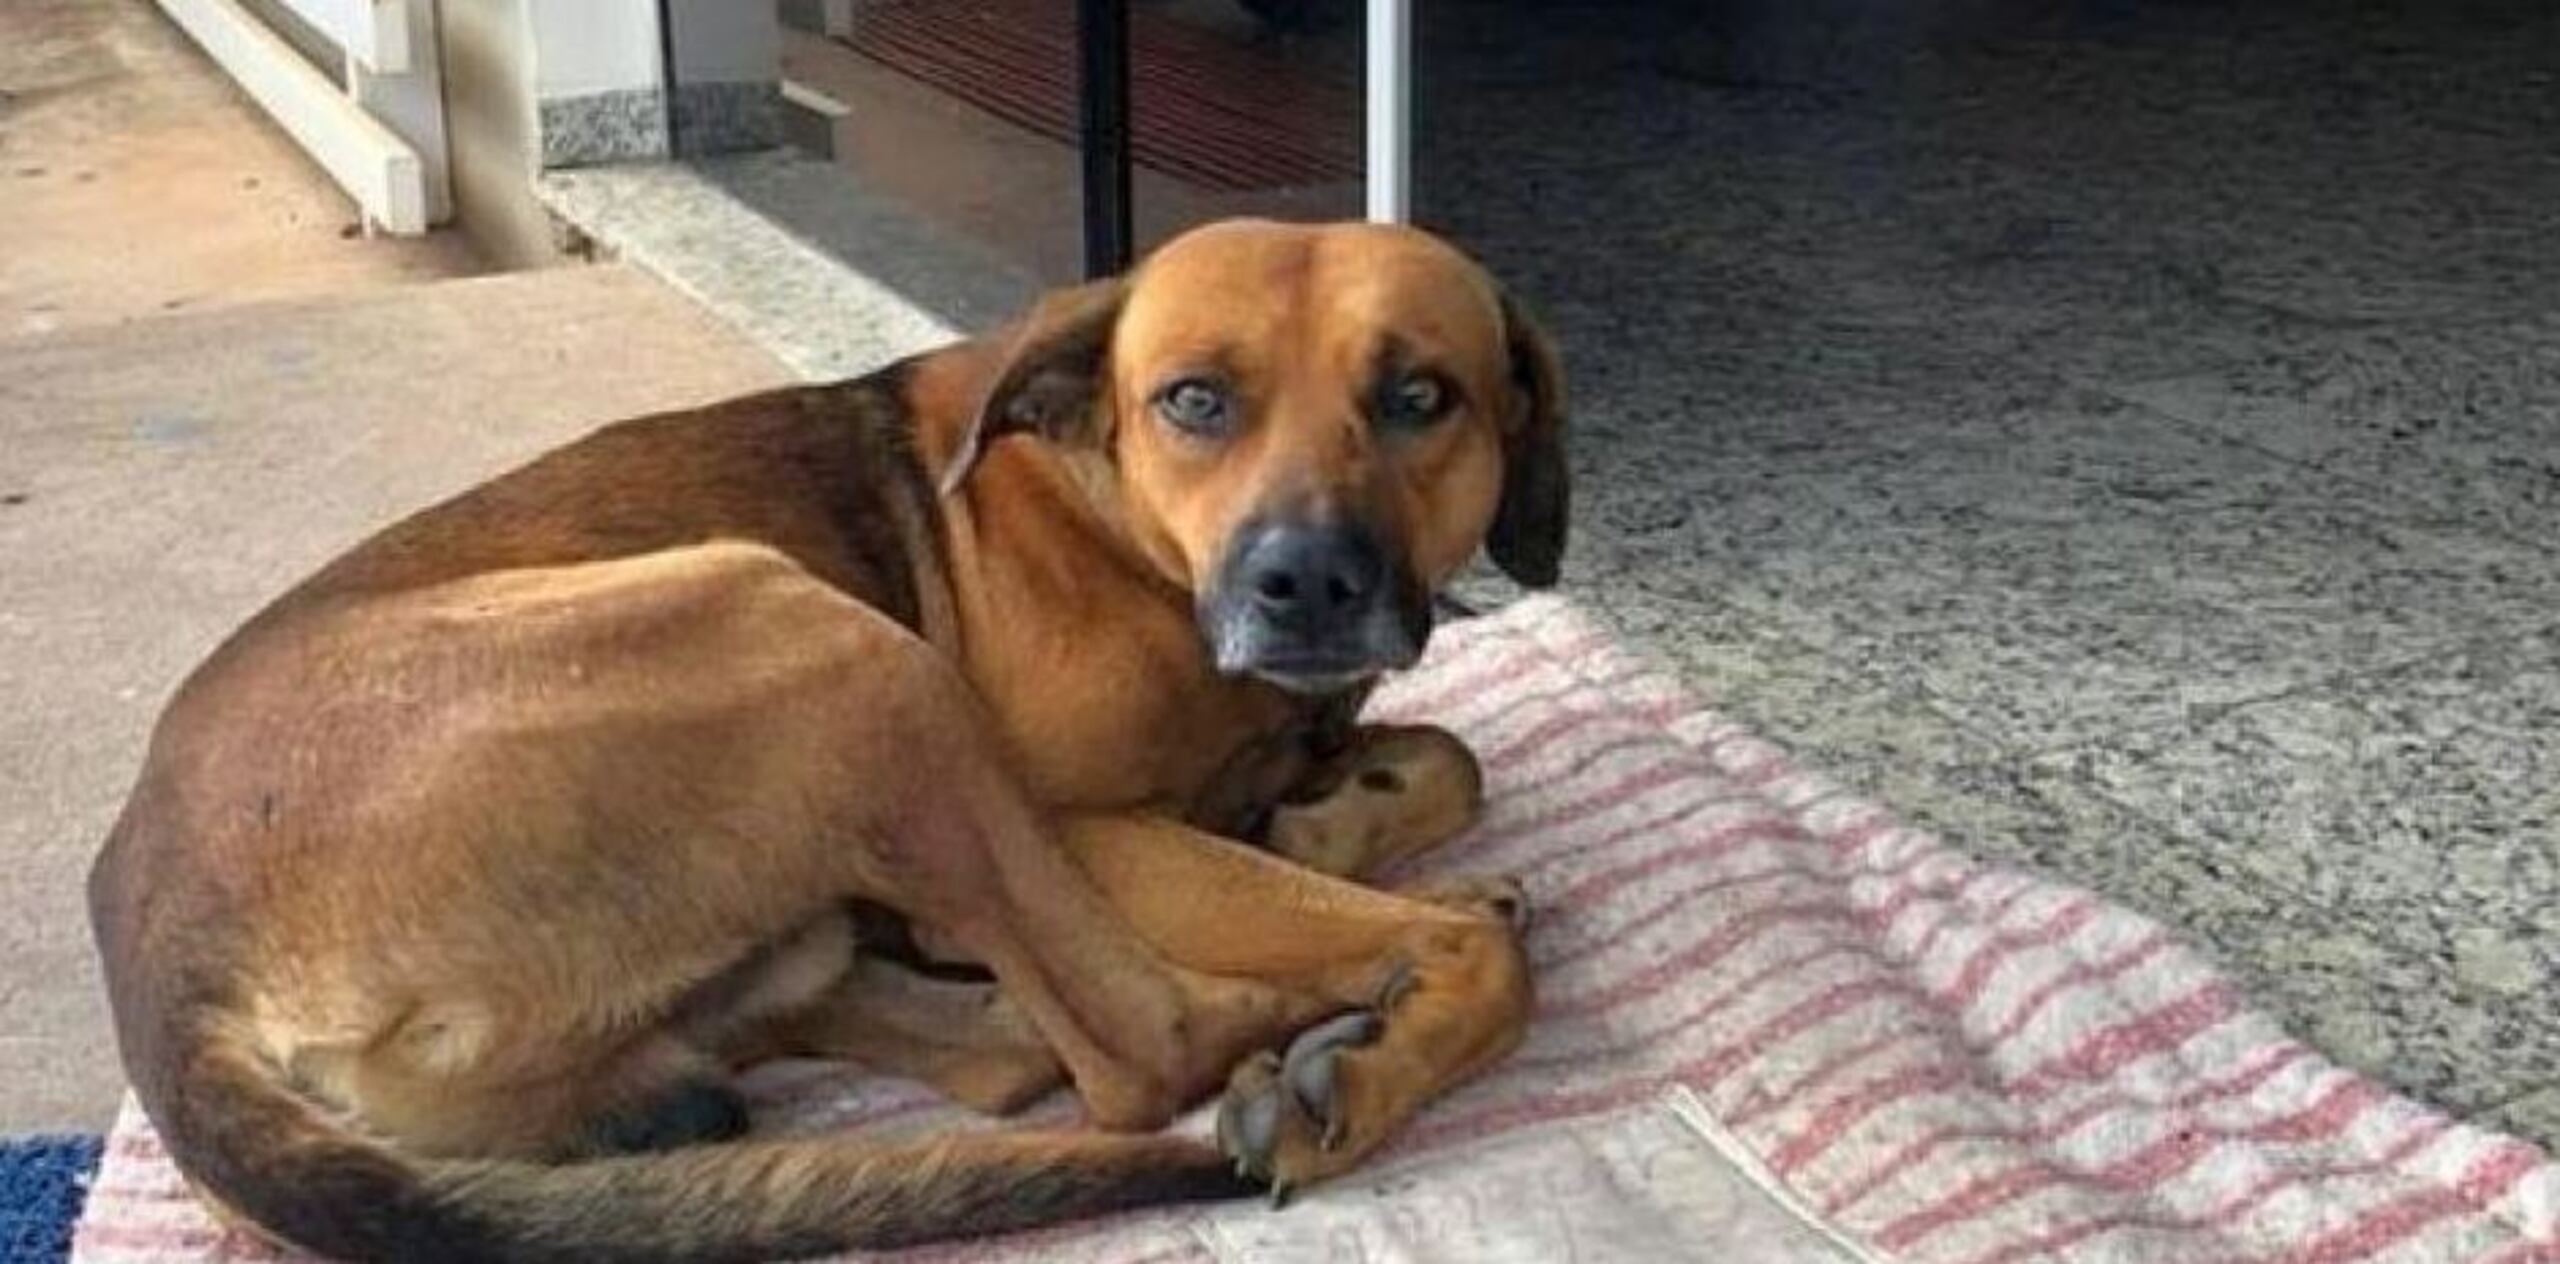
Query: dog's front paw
point(1287, 1115)
point(1310, 1111)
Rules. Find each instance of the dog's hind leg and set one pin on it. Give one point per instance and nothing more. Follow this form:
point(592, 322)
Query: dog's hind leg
point(963, 1038)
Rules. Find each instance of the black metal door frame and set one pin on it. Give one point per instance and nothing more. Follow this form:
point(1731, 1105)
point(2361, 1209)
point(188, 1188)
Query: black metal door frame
point(1102, 100)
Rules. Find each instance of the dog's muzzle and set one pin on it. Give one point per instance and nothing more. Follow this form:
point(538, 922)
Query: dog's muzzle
point(1312, 607)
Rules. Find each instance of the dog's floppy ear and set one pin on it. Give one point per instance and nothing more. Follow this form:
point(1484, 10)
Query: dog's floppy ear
point(1527, 536)
point(1050, 374)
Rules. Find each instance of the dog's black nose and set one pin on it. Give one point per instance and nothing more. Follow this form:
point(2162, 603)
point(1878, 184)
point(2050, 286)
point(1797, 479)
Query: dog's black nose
point(1313, 606)
point(1308, 577)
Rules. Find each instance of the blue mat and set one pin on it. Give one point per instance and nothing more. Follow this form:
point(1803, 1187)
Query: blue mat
point(42, 1183)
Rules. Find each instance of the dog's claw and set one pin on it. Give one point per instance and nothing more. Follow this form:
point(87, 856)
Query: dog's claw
point(1399, 983)
point(1249, 1119)
point(1272, 1095)
point(1312, 1069)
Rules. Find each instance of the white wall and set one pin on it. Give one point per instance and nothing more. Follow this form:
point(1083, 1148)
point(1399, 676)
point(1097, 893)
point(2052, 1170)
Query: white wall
point(727, 41)
point(584, 47)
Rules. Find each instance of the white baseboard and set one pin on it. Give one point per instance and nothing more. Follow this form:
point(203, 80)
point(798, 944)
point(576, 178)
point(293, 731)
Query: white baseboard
point(373, 164)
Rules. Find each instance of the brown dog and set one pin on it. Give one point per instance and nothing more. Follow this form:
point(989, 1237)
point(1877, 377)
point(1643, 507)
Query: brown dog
point(457, 879)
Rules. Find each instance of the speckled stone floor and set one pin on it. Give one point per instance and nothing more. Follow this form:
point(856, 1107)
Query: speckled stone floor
point(2126, 437)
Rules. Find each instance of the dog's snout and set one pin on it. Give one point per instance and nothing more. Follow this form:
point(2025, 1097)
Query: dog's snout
point(1313, 606)
point(1312, 575)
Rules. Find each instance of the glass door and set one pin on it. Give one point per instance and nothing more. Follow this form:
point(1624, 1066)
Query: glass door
point(1068, 135)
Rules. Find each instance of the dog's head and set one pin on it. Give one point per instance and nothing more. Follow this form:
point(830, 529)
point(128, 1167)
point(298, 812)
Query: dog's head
point(1307, 427)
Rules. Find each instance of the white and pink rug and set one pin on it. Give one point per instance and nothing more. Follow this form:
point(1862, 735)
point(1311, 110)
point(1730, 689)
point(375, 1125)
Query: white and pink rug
point(1774, 1026)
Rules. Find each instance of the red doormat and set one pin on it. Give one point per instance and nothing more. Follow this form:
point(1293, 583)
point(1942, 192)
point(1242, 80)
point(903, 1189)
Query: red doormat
point(1207, 109)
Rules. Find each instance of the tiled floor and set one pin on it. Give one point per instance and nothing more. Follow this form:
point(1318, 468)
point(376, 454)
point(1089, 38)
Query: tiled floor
point(2126, 437)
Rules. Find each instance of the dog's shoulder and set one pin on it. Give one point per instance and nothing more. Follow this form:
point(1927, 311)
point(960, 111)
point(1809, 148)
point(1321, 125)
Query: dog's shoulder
point(827, 475)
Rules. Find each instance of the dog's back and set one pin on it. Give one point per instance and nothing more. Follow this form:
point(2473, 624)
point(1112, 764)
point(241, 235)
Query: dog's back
point(264, 832)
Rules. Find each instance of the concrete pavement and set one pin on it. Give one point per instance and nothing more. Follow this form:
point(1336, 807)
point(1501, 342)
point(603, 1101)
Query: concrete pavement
point(161, 479)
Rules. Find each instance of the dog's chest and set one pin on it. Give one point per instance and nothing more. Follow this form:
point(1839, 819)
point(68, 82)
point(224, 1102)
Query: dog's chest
point(1135, 718)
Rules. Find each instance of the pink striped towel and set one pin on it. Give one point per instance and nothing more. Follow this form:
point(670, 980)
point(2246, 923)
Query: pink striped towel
point(1774, 1025)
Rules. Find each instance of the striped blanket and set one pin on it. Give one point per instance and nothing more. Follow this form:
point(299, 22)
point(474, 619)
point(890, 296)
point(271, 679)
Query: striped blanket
point(1774, 1025)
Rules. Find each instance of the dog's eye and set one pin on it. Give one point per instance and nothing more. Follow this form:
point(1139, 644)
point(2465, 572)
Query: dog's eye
point(1414, 400)
point(1194, 404)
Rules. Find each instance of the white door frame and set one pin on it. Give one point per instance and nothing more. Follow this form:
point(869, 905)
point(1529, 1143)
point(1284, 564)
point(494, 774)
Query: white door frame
point(377, 127)
point(1389, 111)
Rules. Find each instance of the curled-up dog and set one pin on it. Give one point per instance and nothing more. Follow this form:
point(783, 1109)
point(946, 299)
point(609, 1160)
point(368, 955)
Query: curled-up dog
point(458, 881)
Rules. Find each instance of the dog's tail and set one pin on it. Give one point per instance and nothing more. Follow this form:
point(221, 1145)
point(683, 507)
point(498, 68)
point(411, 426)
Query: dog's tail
point(285, 1164)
